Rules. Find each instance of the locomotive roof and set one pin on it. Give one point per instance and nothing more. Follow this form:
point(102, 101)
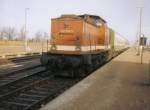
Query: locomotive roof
point(81, 16)
point(68, 16)
point(93, 16)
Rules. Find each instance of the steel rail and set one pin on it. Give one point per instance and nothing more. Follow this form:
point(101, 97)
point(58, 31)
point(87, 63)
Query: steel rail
point(23, 80)
point(34, 95)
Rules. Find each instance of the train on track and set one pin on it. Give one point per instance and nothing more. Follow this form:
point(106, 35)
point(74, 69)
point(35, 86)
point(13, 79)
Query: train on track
point(80, 43)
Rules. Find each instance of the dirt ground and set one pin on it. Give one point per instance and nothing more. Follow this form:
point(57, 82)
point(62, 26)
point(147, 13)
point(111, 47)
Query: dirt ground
point(16, 47)
point(122, 84)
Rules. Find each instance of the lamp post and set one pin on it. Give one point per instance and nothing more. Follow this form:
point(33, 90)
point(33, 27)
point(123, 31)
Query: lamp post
point(140, 31)
point(25, 29)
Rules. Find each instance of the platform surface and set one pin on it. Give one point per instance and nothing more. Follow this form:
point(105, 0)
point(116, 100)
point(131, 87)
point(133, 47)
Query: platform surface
point(122, 84)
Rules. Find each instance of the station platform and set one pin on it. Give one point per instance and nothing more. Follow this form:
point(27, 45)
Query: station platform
point(121, 84)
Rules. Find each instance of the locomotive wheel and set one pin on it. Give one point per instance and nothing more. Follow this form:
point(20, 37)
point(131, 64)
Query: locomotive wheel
point(88, 69)
point(79, 72)
point(44, 59)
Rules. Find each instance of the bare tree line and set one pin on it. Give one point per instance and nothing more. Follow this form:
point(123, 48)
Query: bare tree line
point(11, 33)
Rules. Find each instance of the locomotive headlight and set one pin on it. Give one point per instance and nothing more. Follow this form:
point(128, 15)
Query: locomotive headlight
point(77, 44)
point(53, 47)
point(78, 48)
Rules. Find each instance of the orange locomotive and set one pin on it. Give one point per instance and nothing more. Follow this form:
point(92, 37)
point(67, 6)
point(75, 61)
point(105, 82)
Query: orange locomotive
point(78, 34)
point(78, 44)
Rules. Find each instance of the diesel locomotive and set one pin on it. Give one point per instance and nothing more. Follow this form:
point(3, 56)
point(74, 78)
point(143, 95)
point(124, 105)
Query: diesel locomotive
point(79, 43)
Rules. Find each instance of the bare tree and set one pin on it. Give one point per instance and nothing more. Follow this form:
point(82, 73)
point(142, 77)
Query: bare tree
point(11, 33)
point(21, 34)
point(41, 36)
point(45, 36)
point(38, 36)
point(1, 34)
point(8, 33)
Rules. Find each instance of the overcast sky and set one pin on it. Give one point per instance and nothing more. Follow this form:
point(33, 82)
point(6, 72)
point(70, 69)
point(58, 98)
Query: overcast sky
point(121, 15)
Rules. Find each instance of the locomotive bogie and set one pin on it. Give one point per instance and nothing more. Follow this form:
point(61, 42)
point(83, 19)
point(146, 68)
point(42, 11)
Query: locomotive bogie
point(83, 62)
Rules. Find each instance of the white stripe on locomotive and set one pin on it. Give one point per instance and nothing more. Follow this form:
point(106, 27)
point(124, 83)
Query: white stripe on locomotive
point(83, 48)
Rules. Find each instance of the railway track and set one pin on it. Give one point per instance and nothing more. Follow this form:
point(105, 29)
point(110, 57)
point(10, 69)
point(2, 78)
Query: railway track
point(29, 90)
point(13, 82)
point(21, 59)
point(18, 71)
point(17, 75)
point(18, 59)
point(32, 96)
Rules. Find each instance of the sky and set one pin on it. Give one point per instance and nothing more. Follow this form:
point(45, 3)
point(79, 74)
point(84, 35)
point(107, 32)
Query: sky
point(121, 15)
